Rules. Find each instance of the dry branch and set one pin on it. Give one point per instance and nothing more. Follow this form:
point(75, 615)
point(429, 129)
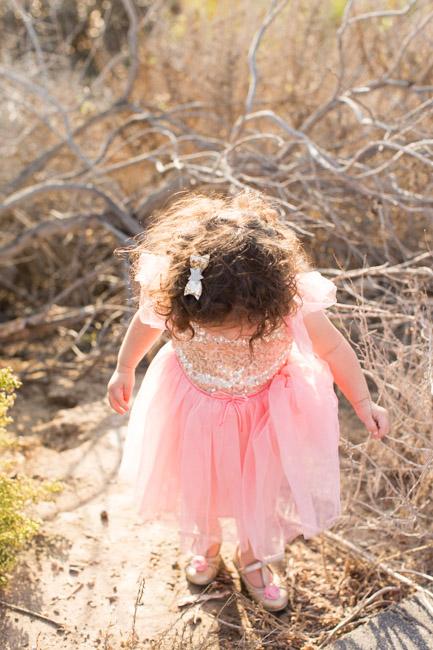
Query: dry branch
point(33, 235)
point(32, 614)
point(33, 37)
point(274, 9)
point(371, 559)
point(133, 47)
point(48, 97)
point(40, 324)
point(365, 602)
point(38, 163)
point(126, 221)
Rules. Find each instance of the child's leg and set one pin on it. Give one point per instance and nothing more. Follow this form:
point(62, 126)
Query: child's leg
point(208, 540)
point(213, 550)
point(202, 571)
point(254, 577)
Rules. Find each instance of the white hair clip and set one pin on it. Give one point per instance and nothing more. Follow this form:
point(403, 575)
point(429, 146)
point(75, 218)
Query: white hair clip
point(193, 286)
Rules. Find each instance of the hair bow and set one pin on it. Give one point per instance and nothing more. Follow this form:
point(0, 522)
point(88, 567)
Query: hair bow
point(193, 286)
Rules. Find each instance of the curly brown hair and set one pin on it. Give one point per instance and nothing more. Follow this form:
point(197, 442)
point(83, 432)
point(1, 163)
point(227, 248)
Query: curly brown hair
point(254, 260)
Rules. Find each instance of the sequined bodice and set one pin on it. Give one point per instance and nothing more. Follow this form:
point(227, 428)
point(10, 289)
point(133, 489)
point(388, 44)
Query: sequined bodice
point(214, 362)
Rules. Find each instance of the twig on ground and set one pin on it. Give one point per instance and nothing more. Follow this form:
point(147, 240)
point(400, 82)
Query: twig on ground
point(203, 598)
point(371, 559)
point(32, 614)
point(138, 600)
point(356, 610)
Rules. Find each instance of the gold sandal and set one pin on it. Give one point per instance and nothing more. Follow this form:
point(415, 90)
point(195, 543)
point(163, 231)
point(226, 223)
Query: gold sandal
point(203, 570)
point(273, 596)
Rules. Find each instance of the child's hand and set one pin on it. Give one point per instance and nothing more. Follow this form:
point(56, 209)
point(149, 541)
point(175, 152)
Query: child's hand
point(119, 389)
point(375, 418)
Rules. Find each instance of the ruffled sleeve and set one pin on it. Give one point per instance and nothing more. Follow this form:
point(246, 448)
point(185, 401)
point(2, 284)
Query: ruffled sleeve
point(150, 270)
point(316, 293)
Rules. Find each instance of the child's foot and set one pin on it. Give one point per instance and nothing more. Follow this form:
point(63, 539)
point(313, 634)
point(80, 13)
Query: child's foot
point(255, 577)
point(203, 569)
point(262, 584)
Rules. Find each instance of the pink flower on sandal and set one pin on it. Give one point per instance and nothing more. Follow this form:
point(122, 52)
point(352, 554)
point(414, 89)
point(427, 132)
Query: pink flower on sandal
point(199, 563)
point(271, 592)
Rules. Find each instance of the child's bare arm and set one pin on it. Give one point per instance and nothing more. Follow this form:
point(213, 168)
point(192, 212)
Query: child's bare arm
point(331, 346)
point(138, 340)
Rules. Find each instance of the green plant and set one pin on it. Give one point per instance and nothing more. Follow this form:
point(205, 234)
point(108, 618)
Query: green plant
point(17, 493)
point(8, 385)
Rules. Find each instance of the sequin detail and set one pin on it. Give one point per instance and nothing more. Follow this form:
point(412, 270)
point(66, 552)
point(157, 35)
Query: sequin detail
point(215, 363)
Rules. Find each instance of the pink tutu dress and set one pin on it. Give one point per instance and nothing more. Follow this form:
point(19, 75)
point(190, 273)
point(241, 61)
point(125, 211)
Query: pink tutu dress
point(218, 434)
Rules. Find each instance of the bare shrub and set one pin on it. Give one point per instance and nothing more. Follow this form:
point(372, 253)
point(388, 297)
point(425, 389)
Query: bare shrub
point(387, 486)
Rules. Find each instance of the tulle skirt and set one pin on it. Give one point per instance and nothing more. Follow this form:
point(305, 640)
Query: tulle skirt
point(267, 462)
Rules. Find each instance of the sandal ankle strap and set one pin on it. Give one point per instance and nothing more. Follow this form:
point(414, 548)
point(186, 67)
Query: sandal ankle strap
point(262, 563)
point(253, 567)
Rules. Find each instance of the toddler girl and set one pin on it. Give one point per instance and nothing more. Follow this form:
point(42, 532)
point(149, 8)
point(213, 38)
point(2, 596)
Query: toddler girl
point(236, 416)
